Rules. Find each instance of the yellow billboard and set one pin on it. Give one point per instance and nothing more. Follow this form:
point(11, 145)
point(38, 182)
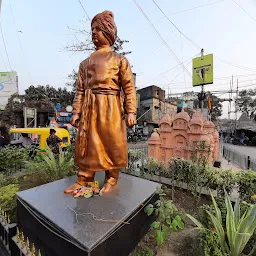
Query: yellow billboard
point(203, 70)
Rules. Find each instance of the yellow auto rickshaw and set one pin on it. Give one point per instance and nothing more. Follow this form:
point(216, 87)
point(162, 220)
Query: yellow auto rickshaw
point(39, 136)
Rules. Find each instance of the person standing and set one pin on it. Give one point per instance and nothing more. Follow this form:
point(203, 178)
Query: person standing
point(4, 138)
point(105, 82)
point(53, 141)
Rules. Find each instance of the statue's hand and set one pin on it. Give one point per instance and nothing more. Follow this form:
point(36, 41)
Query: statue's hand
point(75, 120)
point(131, 120)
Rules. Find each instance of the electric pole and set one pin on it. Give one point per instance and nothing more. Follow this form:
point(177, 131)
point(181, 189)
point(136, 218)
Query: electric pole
point(202, 86)
point(236, 104)
point(0, 5)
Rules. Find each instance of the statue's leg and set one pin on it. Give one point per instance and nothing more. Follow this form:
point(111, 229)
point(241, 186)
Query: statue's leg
point(83, 177)
point(111, 179)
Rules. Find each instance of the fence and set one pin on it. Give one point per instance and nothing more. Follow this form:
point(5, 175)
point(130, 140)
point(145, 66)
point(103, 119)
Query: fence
point(7, 231)
point(241, 160)
point(13, 241)
point(141, 147)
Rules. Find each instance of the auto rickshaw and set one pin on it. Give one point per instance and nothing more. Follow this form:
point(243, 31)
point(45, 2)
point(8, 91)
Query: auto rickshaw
point(39, 136)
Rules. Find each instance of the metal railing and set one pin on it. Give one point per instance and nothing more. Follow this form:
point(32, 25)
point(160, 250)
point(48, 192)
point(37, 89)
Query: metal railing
point(243, 161)
point(139, 147)
point(7, 231)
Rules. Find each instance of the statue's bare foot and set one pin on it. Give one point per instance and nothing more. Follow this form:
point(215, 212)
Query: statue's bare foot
point(72, 188)
point(107, 188)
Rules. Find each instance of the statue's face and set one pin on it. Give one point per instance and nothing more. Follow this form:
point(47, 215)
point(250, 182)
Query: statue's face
point(97, 36)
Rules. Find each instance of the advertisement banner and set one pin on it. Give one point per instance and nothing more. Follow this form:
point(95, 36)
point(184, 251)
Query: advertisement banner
point(203, 70)
point(8, 86)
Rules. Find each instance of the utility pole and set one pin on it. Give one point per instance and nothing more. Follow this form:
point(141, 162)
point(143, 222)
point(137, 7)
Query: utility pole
point(0, 5)
point(236, 104)
point(202, 86)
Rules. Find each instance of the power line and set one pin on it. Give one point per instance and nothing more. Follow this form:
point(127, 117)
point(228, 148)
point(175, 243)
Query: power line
point(5, 46)
point(244, 10)
point(22, 52)
point(168, 70)
point(244, 86)
point(176, 26)
point(228, 77)
point(84, 10)
point(196, 7)
point(8, 59)
point(3, 61)
point(235, 65)
point(186, 10)
point(160, 36)
point(155, 50)
point(181, 46)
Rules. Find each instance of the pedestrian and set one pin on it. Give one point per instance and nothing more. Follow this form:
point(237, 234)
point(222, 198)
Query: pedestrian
point(24, 140)
point(4, 138)
point(53, 141)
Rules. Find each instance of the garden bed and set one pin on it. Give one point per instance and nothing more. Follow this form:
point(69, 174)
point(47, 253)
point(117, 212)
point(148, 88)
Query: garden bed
point(186, 241)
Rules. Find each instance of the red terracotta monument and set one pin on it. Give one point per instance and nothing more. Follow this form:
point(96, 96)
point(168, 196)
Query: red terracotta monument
point(179, 135)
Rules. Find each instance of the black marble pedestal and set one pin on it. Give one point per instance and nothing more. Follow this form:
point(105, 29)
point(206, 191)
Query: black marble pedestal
point(61, 225)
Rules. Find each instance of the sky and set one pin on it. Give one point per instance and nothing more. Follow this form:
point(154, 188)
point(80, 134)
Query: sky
point(221, 27)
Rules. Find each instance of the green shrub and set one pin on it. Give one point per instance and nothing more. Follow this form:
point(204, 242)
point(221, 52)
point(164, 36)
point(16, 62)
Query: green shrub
point(246, 185)
point(13, 158)
point(234, 234)
point(6, 180)
point(156, 168)
point(8, 199)
point(195, 174)
point(135, 155)
point(168, 218)
point(209, 242)
point(53, 167)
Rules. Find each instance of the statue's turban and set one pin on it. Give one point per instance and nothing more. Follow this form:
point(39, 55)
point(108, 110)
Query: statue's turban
point(105, 22)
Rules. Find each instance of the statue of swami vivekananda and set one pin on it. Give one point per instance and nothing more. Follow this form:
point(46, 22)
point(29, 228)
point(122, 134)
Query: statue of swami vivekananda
point(100, 110)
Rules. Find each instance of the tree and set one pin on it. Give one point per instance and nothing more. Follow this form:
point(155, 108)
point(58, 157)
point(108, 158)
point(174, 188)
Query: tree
point(40, 97)
point(16, 103)
point(246, 102)
point(86, 45)
point(60, 95)
point(72, 77)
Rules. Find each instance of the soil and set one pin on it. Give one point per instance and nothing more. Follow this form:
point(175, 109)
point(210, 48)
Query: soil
point(182, 243)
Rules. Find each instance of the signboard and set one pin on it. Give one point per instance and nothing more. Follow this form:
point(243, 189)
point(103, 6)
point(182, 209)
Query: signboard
point(30, 113)
point(8, 86)
point(203, 70)
point(61, 116)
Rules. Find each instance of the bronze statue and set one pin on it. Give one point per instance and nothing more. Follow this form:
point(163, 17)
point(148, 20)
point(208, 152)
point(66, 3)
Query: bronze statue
point(99, 110)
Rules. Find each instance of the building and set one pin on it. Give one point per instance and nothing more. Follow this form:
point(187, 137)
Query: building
point(8, 86)
point(153, 106)
point(189, 99)
point(183, 137)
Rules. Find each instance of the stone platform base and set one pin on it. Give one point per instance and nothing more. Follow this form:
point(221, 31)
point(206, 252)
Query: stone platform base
point(61, 225)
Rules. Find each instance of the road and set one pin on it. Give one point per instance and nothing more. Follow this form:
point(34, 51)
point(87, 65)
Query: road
point(248, 151)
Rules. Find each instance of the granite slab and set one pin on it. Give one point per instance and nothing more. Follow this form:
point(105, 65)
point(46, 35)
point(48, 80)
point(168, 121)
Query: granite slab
point(82, 219)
